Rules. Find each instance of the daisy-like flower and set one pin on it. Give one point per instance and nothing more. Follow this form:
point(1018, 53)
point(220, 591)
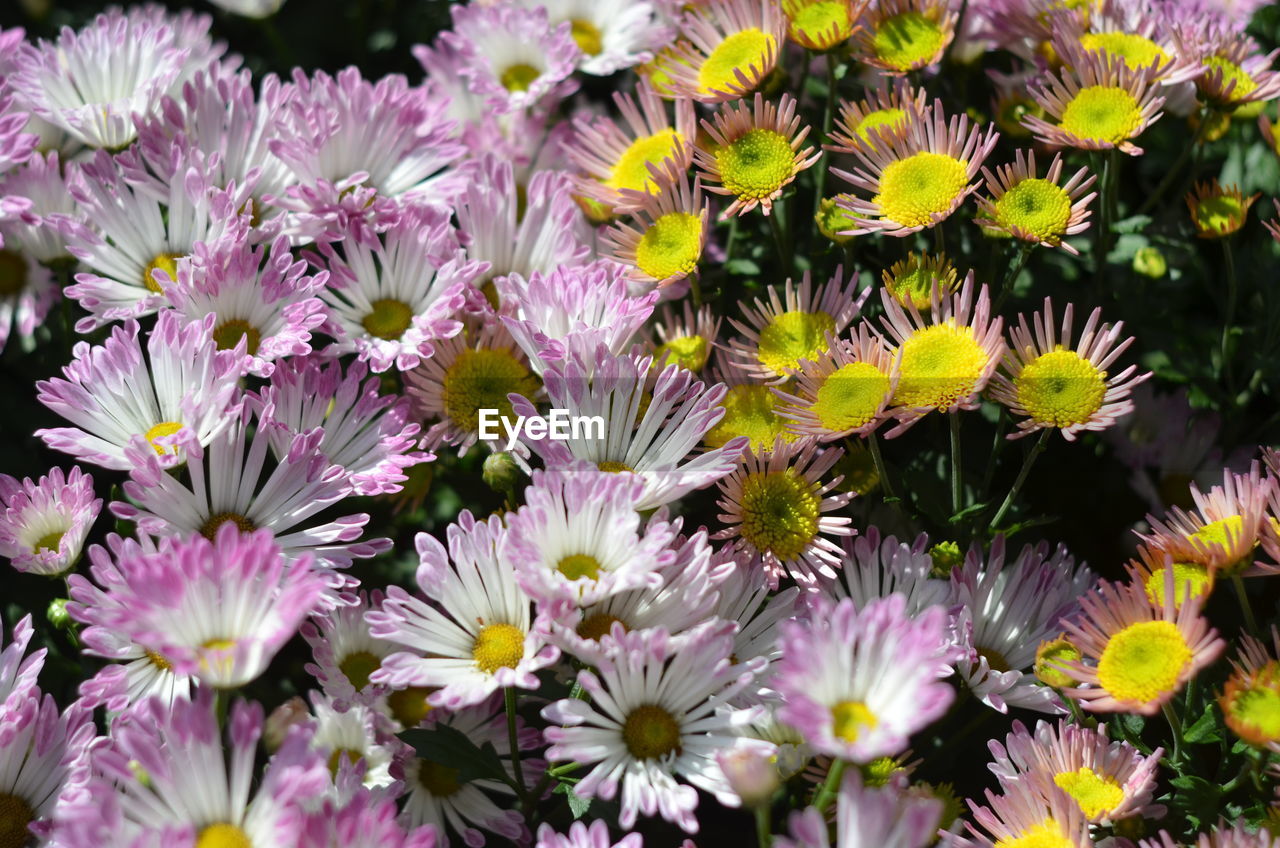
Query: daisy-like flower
point(858, 682)
point(1250, 700)
point(1033, 209)
point(869, 815)
point(40, 752)
point(773, 511)
point(348, 737)
point(753, 153)
point(822, 25)
point(1138, 654)
point(1057, 386)
point(1143, 41)
point(1100, 104)
point(877, 567)
point(476, 636)
point(1190, 579)
point(1218, 211)
point(650, 425)
point(946, 361)
point(618, 158)
point(612, 34)
point(779, 335)
point(1238, 835)
point(181, 394)
point(392, 296)
point(664, 241)
point(658, 711)
point(582, 836)
point(844, 390)
point(885, 109)
point(41, 182)
point(1032, 811)
point(578, 538)
point(16, 145)
point(686, 339)
point(469, 372)
point(1110, 781)
point(18, 675)
point(1236, 71)
point(914, 279)
point(43, 525)
point(728, 48)
point(918, 176)
point(751, 412)
point(366, 432)
point(346, 654)
point(901, 36)
point(512, 56)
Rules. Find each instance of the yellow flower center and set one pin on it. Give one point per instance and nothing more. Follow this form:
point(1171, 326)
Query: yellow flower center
point(940, 365)
point(164, 428)
point(1144, 661)
point(439, 780)
point(167, 262)
point(744, 51)
point(1137, 51)
point(651, 732)
point(13, 273)
point(209, 529)
point(388, 319)
point(409, 706)
point(159, 661)
point(1253, 710)
point(851, 396)
point(1219, 214)
point(834, 221)
point(1050, 657)
point(689, 352)
point(879, 771)
point(821, 25)
point(229, 333)
point(351, 755)
point(357, 666)
point(597, 625)
point(518, 77)
point(577, 566)
point(1037, 207)
point(498, 646)
point(914, 189)
point(792, 336)
point(850, 718)
point(908, 41)
point(632, 170)
point(912, 280)
point(609, 466)
point(749, 410)
point(1186, 575)
point(1095, 793)
point(996, 661)
point(223, 835)
point(1225, 532)
point(891, 119)
point(1046, 834)
point(671, 247)
point(48, 542)
point(757, 165)
point(1060, 388)
point(1104, 113)
point(588, 36)
point(15, 815)
point(482, 379)
point(1231, 72)
point(780, 512)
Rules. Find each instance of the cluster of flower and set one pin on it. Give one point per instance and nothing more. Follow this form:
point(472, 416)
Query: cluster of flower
point(297, 292)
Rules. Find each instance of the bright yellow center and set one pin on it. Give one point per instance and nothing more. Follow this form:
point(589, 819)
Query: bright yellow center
point(498, 646)
point(833, 220)
point(518, 77)
point(632, 170)
point(223, 835)
point(671, 247)
point(48, 542)
point(1047, 834)
point(159, 661)
point(388, 319)
point(791, 337)
point(1095, 793)
point(13, 273)
point(339, 754)
point(229, 333)
point(587, 35)
point(1186, 575)
point(439, 780)
point(907, 41)
point(914, 189)
point(1255, 709)
point(890, 119)
point(757, 165)
point(1050, 657)
point(1102, 113)
point(357, 666)
point(167, 262)
point(1137, 51)
point(164, 428)
point(651, 732)
point(820, 25)
point(482, 379)
point(1225, 532)
point(1037, 207)
point(598, 625)
point(851, 396)
point(747, 50)
point(15, 815)
point(689, 352)
point(1231, 72)
point(577, 566)
point(1060, 388)
point(409, 706)
point(1219, 214)
point(913, 279)
point(749, 410)
point(209, 529)
point(780, 512)
point(850, 718)
point(941, 364)
point(1144, 662)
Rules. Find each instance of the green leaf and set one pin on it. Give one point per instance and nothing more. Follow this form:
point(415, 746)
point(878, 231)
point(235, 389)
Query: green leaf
point(1132, 224)
point(968, 511)
point(1205, 729)
point(577, 804)
point(451, 747)
point(1198, 799)
point(741, 266)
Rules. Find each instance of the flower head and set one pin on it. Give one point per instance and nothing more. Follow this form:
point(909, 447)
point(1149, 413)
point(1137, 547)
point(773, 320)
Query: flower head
point(41, 755)
point(44, 524)
point(1218, 211)
point(1032, 811)
point(663, 244)
point(346, 653)
point(1236, 71)
point(844, 390)
point(611, 34)
point(872, 815)
point(877, 566)
point(686, 339)
point(1191, 579)
point(885, 109)
point(1250, 700)
point(728, 48)
point(913, 280)
point(1033, 209)
point(901, 36)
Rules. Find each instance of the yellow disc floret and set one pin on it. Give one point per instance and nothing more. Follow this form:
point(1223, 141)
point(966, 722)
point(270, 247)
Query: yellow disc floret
point(780, 512)
point(388, 319)
point(223, 835)
point(851, 396)
point(498, 646)
point(15, 814)
point(940, 365)
point(757, 165)
point(689, 352)
point(167, 262)
point(792, 336)
point(651, 732)
point(1137, 51)
point(1046, 834)
point(164, 428)
point(747, 51)
point(1036, 207)
point(1144, 662)
point(357, 667)
point(915, 189)
point(749, 410)
point(481, 379)
point(671, 247)
point(908, 41)
point(518, 77)
point(1102, 113)
point(632, 169)
point(1060, 388)
point(587, 35)
point(229, 333)
point(1187, 576)
point(850, 718)
point(1095, 793)
point(578, 566)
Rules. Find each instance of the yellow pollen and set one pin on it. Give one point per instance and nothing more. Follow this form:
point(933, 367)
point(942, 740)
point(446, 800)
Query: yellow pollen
point(167, 262)
point(498, 646)
point(229, 333)
point(223, 835)
point(780, 512)
point(611, 467)
point(598, 625)
point(1102, 113)
point(689, 352)
point(357, 666)
point(1226, 533)
point(940, 365)
point(1231, 72)
point(15, 814)
point(1095, 793)
point(671, 247)
point(159, 661)
point(1144, 662)
point(577, 566)
point(749, 51)
point(757, 165)
point(1060, 388)
point(439, 780)
point(750, 410)
point(409, 706)
point(482, 379)
point(851, 396)
point(1219, 214)
point(518, 77)
point(13, 273)
point(1186, 575)
point(1137, 51)
point(651, 733)
point(587, 35)
point(880, 119)
point(1047, 834)
point(850, 718)
point(210, 527)
point(388, 319)
point(792, 336)
point(1037, 207)
point(632, 170)
point(833, 220)
point(1251, 706)
point(908, 41)
point(914, 189)
point(164, 428)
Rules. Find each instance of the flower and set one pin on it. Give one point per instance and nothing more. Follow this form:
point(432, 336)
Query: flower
point(367, 820)
point(876, 567)
point(41, 182)
point(751, 412)
point(16, 145)
point(1218, 211)
point(1031, 811)
point(582, 836)
point(1236, 71)
point(754, 153)
point(1144, 42)
point(658, 711)
point(918, 176)
point(611, 34)
point(1238, 835)
point(1190, 579)
point(346, 653)
point(914, 279)
point(40, 753)
point(1099, 105)
point(349, 738)
point(668, 233)
point(883, 110)
point(1056, 386)
point(905, 35)
point(43, 525)
point(250, 8)
point(822, 25)
point(478, 637)
point(1250, 700)
point(869, 815)
point(1035, 210)
point(181, 395)
point(727, 49)
point(686, 339)
point(857, 682)
point(1109, 781)
point(18, 675)
point(1139, 654)
point(773, 511)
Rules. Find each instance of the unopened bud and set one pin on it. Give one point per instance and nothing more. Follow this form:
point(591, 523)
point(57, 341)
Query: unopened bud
point(501, 473)
point(945, 556)
point(57, 613)
point(1150, 262)
point(283, 718)
point(751, 775)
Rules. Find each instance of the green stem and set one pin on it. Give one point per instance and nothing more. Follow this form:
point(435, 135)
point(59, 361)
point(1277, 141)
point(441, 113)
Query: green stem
point(1232, 295)
point(776, 224)
point(513, 739)
point(1102, 236)
point(1011, 276)
point(956, 487)
point(1036, 450)
point(997, 446)
point(964, 8)
point(1250, 623)
point(221, 703)
point(561, 771)
point(695, 289)
point(733, 239)
point(1175, 725)
point(939, 239)
point(873, 445)
point(828, 118)
point(764, 826)
point(830, 787)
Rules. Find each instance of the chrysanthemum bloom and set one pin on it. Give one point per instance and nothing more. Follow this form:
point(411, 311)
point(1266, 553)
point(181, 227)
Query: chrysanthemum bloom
point(18, 675)
point(743, 596)
point(687, 339)
point(900, 36)
point(617, 158)
point(876, 567)
point(727, 49)
point(658, 712)
point(1144, 42)
point(752, 154)
point(476, 636)
point(844, 390)
point(869, 815)
point(1138, 655)
point(94, 82)
point(391, 297)
point(918, 176)
point(858, 682)
point(1101, 104)
point(472, 371)
point(1110, 781)
point(773, 511)
point(349, 737)
point(779, 335)
point(750, 412)
point(822, 25)
point(16, 145)
point(578, 538)
point(1250, 700)
point(40, 753)
point(1032, 811)
point(1057, 386)
point(913, 280)
point(511, 56)
point(944, 362)
point(40, 181)
point(1218, 211)
point(43, 525)
point(1007, 610)
point(345, 653)
point(664, 241)
point(368, 433)
point(368, 819)
point(582, 836)
point(611, 34)
point(885, 109)
point(1236, 71)
point(1190, 579)
point(182, 393)
point(651, 425)
point(1033, 209)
